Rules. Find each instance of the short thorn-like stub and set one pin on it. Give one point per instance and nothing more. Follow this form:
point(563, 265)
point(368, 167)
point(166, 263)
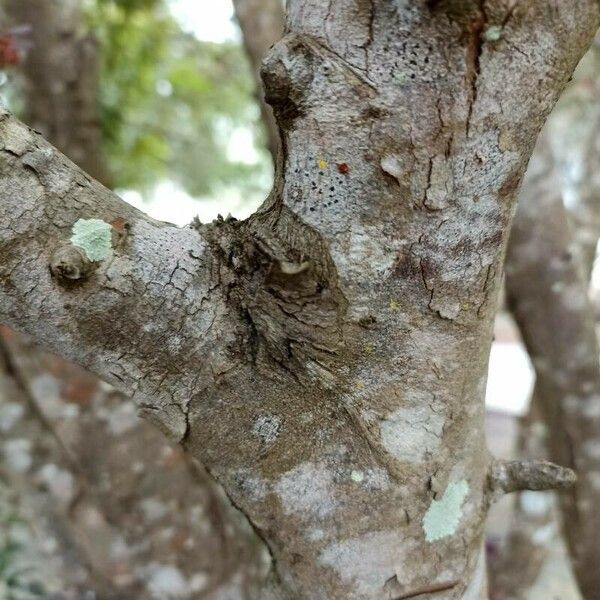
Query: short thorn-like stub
point(536, 475)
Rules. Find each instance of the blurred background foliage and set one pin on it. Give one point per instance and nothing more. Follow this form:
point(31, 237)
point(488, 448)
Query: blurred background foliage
point(172, 107)
point(170, 103)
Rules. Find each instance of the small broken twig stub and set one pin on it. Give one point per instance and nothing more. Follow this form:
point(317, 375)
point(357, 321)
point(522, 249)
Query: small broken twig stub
point(69, 263)
point(537, 475)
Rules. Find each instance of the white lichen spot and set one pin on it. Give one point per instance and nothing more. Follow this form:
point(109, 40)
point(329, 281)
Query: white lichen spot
point(391, 165)
point(357, 476)
point(254, 487)
point(267, 428)
point(307, 490)
point(315, 535)
point(94, 237)
point(443, 515)
point(368, 561)
point(377, 479)
point(493, 33)
point(412, 434)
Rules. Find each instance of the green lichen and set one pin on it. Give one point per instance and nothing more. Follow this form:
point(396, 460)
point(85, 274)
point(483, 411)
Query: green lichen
point(357, 476)
point(443, 515)
point(94, 237)
point(493, 33)
point(400, 78)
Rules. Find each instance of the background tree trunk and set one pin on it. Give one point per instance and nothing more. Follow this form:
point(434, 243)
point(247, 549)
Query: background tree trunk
point(61, 80)
point(325, 359)
point(261, 23)
point(547, 294)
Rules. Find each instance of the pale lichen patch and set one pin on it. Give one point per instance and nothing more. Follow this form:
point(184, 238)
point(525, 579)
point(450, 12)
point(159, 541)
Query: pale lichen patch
point(493, 33)
point(357, 476)
point(308, 491)
point(267, 428)
point(368, 561)
point(94, 237)
point(443, 515)
point(412, 434)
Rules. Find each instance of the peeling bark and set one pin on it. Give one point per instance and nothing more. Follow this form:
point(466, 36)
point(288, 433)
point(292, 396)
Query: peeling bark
point(340, 400)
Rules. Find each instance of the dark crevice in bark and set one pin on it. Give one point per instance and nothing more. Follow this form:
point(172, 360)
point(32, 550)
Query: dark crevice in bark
point(473, 59)
point(277, 273)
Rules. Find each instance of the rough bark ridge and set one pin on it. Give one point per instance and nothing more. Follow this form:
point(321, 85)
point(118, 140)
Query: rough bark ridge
point(547, 293)
point(261, 23)
point(326, 358)
point(61, 80)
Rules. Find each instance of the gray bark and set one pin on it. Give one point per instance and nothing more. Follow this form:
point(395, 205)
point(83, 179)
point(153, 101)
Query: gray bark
point(547, 293)
point(325, 359)
point(61, 80)
point(261, 23)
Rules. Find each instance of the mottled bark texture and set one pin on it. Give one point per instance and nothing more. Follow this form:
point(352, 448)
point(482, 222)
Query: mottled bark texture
point(261, 23)
point(326, 358)
point(60, 72)
point(547, 293)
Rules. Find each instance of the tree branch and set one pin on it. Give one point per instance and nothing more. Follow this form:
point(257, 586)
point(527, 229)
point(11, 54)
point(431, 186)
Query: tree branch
point(505, 477)
point(140, 316)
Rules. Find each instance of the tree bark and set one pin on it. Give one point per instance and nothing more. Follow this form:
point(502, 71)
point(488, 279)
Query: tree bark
point(325, 359)
point(261, 23)
point(61, 80)
point(547, 293)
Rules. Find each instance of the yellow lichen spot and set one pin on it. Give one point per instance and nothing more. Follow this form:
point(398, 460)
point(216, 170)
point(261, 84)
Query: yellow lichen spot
point(368, 348)
point(360, 385)
point(322, 163)
point(394, 305)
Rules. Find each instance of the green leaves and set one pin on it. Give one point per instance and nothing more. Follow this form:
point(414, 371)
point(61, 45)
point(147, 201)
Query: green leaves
point(170, 103)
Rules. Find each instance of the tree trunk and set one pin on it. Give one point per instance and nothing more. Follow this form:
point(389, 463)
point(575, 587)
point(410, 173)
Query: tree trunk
point(61, 80)
point(547, 294)
point(261, 23)
point(325, 359)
